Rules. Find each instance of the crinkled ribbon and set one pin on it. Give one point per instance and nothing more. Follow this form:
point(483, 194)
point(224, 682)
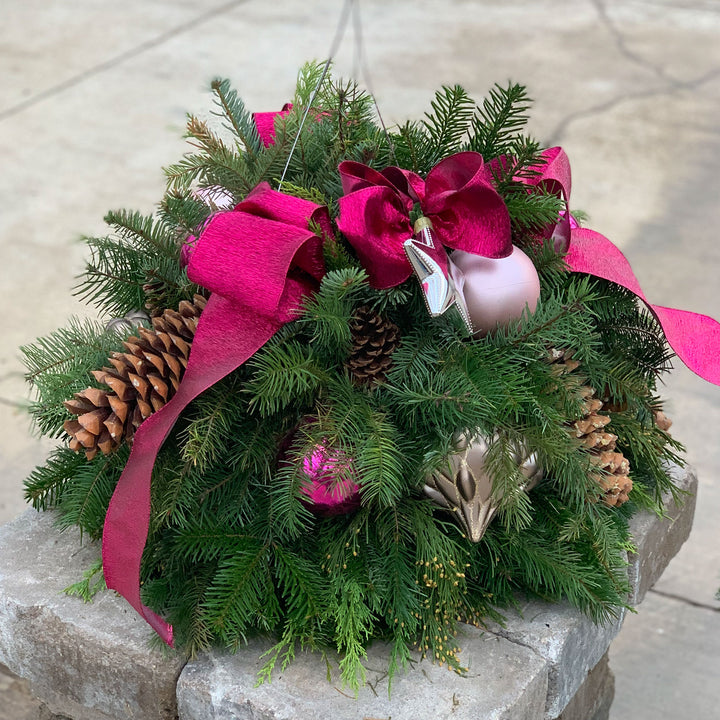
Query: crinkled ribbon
point(259, 260)
point(695, 338)
point(458, 196)
point(265, 123)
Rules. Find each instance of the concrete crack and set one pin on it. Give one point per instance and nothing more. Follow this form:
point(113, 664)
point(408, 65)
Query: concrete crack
point(512, 638)
point(622, 46)
point(677, 86)
point(599, 109)
point(671, 85)
point(684, 600)
point(119, 59)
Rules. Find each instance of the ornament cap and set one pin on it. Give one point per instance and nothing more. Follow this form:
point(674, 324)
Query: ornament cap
point(422, 223)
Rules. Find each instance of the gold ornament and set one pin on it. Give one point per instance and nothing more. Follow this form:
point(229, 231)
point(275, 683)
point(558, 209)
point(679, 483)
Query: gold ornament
point(464, 486)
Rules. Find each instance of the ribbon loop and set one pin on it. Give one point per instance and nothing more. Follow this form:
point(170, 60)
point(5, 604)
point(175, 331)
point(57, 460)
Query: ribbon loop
point(465, 208)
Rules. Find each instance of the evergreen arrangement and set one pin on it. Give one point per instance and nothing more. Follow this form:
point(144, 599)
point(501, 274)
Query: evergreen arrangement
point(367, 386)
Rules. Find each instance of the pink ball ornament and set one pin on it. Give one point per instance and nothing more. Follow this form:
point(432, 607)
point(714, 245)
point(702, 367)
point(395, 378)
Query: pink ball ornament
point(496, 291)
point(330, 486)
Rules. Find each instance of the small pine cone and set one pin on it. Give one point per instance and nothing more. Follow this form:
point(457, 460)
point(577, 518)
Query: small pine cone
point(140, 381)
point(562, 361)
point(375, 339)
point(591, 430)
point(153, 292)
point(615, 481)
point(662, 420)
point(591, 427)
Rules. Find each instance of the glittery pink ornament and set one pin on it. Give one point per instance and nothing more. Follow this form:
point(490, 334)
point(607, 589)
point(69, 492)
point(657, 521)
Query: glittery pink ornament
point(330, 487)
point(497, 290)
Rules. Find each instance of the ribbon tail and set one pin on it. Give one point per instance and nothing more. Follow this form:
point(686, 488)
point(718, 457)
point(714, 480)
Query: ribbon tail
point(695, 338)
point(224, 340)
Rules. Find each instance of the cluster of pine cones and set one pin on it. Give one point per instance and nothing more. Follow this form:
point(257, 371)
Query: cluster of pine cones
point(142, 379)
point(592, 431)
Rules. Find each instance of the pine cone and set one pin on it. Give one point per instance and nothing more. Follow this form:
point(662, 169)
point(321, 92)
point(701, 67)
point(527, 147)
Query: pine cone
point(375, 339)
point(141, 381)
point(591, 430)
point(562, 362)
point(662, 420)
point(615, 481)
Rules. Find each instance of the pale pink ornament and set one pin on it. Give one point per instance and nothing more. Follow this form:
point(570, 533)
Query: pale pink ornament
point(330, 486)
point(496, 291)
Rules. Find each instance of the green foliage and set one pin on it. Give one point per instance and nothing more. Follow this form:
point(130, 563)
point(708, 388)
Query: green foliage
point(499, 120)
point(92, 583)
point(144, 251)
point(59, 364)
point(234, 548)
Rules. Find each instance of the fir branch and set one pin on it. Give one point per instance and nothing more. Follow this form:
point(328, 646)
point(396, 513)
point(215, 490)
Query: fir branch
point(499, 120)
point(59, 365)
point(114, 276)
point(45, 485)
point(531, 210)
point(283, 375)
point(302, 586)
point(328, 312)
point(239, 120)
point(144, 232)
point(447, 123)
point(84, 502)
point(201, 540)
point(216, 164)
point(184, 211)
point(411, 146)
point(240, 597)
point(380, 463)
point(211, 428)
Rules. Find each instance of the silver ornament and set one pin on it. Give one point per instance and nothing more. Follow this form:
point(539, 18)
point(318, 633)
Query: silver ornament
point(440, 279)
point(129, 321)
point(465, 488)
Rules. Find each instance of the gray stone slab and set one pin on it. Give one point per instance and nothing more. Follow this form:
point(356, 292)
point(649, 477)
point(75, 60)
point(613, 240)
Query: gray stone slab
point(504, 682)
point(566, 639)
point(85, 661)
point(594, 698)
point(658, 540)
point(15, 703)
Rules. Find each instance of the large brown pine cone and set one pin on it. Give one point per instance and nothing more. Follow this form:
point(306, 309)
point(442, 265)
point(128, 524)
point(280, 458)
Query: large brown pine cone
point(140, 382)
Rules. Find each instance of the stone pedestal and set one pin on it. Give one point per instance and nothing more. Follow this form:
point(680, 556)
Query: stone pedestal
point(95, 662)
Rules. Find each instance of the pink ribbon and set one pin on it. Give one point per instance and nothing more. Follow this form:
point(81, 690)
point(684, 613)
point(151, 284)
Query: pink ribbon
point(458, 196)
point(695, 338)
point(265, 123)
point(259, 260)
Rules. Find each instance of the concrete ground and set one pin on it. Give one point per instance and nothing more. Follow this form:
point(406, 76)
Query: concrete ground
point(93, 98)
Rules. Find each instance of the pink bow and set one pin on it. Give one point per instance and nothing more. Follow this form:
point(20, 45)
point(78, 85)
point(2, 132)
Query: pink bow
point(695, 338)
point(259, 260)
point(458, 197)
